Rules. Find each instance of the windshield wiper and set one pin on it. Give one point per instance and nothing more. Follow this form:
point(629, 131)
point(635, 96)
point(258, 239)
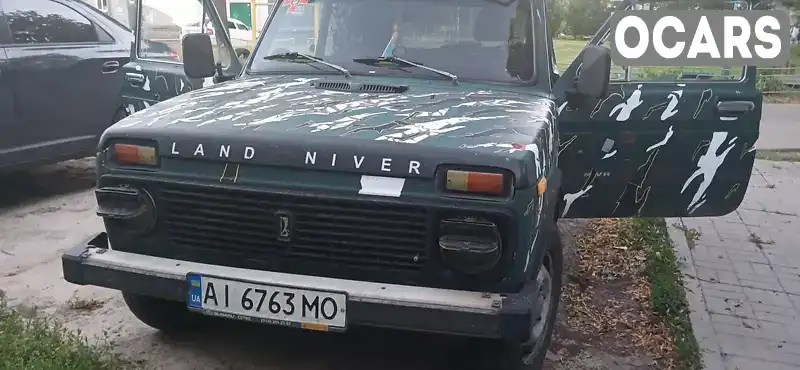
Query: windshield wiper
point(408, 63)
point(293, 56)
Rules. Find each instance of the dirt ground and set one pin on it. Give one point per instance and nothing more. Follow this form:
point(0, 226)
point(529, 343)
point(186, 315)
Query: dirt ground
point(45, 211)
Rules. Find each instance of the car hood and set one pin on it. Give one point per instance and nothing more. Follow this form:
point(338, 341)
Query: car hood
point(439, 119)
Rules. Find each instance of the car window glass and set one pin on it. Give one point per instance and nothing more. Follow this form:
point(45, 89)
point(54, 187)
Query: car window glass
point(231, 25)
point(47, 22)
point(165, 22)
point(475, 40)
point(566, 49)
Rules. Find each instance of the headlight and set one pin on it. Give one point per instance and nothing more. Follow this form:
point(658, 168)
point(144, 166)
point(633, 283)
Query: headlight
point(130, 208)
point(470, 245)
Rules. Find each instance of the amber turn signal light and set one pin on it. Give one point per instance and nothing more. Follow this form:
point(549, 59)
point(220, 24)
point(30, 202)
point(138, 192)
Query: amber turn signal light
point(135, 154)
point(475, 182)
point(541, 186)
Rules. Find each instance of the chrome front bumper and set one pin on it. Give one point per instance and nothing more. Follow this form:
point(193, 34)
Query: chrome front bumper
point(415, 308)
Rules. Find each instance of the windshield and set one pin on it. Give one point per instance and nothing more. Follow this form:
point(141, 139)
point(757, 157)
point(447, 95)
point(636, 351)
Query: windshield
point(472, 39)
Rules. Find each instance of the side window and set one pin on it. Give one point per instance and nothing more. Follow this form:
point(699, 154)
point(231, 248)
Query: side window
point(47, 22)
point(567, 49)
point(164, 23)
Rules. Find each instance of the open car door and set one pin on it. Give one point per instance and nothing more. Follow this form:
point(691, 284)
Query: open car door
point(155, 71)
point(670, 143)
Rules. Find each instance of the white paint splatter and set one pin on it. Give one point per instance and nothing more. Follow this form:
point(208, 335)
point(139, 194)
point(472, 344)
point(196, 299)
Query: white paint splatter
point(530, 250)
point(609, 155)
point(561, 107)
point(572, 197)
point(707, 166)
point(626, 108)
point(663, 141)
point(417, 132)
point(564, 145)
point(382, 186)
point(674, 98)
point(705, 97)
point(535, 149)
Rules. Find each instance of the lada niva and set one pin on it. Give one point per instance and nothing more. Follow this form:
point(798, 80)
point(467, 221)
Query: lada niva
point(404, 168)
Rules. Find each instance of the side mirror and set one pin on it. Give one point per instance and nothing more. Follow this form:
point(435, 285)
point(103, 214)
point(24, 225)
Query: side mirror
point(198, 55)
point(595, 72)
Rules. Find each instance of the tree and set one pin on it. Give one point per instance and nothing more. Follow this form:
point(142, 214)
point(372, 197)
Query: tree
point(584, 17)
point(722, 4)
point(556, 12)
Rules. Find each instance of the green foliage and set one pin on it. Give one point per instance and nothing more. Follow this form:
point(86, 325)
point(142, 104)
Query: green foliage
point(668, 294)
point(721, 4)
point(43, 345)
point(769, 83)
point(556, 12)
point(584, 17)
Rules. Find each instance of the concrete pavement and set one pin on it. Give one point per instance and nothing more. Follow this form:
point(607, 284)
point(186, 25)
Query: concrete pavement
point(780, 127)
point(742, 272)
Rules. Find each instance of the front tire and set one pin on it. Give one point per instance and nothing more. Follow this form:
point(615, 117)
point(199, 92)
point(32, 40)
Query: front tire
point(166, 316)
point(503, 355)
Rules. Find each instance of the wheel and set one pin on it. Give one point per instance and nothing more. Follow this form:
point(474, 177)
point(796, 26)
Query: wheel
point(161, 314)
point(503, 355)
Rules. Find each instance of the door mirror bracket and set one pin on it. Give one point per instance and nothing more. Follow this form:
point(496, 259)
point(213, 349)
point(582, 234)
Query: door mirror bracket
point(220, 76)
point(594, 73)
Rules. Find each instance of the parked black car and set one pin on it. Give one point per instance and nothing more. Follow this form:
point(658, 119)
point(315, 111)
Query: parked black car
point(60, 79)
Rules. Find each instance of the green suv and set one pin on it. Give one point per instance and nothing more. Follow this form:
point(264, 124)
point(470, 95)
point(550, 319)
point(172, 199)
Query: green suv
point(404, 169)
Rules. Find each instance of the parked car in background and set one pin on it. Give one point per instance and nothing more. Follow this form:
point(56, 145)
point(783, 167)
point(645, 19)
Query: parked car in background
point(60, 79)
point(241, 35)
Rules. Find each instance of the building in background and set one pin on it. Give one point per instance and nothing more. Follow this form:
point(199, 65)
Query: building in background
point(125, 11)
point(121, 10)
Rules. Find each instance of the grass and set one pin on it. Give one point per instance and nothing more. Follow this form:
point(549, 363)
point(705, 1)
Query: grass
point(44, 345)
point(770, 80)
point(779, 155)
point(668, 295)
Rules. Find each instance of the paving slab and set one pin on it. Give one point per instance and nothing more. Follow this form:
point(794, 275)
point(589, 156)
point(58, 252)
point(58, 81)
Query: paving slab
point(742, 273)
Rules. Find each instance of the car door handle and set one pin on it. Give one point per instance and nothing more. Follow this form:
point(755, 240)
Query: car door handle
point(110, 67)
point(735, 106)
point(135, 79)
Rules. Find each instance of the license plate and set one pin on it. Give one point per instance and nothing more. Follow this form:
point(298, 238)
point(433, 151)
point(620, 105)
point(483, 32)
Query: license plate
point(269, 304)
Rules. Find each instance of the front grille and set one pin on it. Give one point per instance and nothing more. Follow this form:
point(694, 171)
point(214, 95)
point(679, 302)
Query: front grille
point(344, 233)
